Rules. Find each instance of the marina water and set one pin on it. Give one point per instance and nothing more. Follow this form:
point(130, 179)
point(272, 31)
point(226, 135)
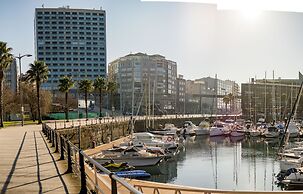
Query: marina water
point(222, 163)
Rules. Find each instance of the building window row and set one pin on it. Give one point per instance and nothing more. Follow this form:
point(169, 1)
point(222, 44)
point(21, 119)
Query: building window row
point(39, 13)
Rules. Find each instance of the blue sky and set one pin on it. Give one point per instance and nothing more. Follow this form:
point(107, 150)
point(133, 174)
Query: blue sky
point(201, 39)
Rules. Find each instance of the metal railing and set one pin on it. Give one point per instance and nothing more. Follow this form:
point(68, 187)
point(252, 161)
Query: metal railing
point(76, 160)
point(62, 124)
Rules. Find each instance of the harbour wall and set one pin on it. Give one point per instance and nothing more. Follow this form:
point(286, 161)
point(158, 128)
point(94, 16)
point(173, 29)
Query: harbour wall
point(96, 133)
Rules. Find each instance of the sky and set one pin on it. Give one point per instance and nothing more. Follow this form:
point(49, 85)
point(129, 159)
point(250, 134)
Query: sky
point(202, 39)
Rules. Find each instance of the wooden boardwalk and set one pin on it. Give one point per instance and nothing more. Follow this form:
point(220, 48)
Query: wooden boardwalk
point(28, 164)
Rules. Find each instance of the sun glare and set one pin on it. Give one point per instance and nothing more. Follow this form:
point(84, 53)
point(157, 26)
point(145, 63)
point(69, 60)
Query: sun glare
point(250, 14)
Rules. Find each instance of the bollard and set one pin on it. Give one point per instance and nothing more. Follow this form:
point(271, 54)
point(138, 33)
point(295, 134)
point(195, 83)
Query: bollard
point(82, 174)
point(56, 143)
point(113, 183)
point(61, 148)
point(69, 159)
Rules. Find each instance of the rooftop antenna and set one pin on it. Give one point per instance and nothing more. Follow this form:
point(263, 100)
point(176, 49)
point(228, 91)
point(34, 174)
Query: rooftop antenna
point(43, 5)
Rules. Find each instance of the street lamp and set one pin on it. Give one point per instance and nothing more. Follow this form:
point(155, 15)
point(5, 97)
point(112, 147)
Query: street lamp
point(21, 94)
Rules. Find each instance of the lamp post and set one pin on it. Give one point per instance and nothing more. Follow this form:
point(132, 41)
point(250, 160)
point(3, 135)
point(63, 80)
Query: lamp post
point(20, 91)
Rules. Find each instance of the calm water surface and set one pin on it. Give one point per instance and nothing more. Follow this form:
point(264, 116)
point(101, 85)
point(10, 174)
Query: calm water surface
point(222, 163)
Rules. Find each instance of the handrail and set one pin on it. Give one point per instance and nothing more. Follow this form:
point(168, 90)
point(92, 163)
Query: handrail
point(62, 124)
point(66, 147)
point(113, 176)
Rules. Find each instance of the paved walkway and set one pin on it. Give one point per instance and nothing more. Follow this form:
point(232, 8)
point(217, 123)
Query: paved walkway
point(28, 164)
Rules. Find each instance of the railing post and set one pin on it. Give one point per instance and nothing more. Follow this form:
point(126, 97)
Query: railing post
point(82, 174)
point(64, 124)
point(50, 136)
point(69, 159)
point(53, 139)
point(114, 184)
point(61, 148)
point(56, 143)
point(47, 134)
point(55, 125)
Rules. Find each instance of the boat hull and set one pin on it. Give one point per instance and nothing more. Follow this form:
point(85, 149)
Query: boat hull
point(133, 161)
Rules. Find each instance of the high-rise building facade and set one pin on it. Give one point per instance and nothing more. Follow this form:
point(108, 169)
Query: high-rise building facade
point(72, 42)
point(218, 89)
point(180, 94)
point(11, 76)
point(270, 99)
point(145, 82)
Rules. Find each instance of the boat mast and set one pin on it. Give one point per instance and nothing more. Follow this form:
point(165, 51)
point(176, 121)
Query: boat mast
point(265, 97)
point(133, 104)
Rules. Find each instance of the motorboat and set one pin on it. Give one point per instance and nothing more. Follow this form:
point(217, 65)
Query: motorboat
point(168, 129)
point(287, 163)
point(292, 178)
point(203, 128)
point(293, 129)
point(149, 139)
point(217, 129)
point(189, 128)
point(271, 132)
point(132, 155)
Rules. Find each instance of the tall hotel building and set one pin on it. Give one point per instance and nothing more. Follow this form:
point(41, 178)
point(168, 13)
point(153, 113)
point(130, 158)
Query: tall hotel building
point(72, 42)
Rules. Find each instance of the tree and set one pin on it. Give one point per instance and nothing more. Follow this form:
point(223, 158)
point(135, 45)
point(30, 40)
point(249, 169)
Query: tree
point(231, 101)
point(11, 103)
point(65, 84)
point(85, 86)
point(111, 89)
point(226, 101)
point(30, 100)
point(99, 85)
point(38, 73)
point(6, 58)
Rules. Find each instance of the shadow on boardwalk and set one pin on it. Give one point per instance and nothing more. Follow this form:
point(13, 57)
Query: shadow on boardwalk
point(28, 165)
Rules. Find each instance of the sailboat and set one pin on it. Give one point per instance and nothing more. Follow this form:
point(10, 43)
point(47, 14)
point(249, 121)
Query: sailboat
point(293, 176)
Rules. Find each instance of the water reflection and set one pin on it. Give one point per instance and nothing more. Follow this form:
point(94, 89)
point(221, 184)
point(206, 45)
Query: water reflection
point(223, 163)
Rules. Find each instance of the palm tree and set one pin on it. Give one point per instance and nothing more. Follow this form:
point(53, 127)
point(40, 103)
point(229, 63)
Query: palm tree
point(37, 73)
point(99, 84)
point(85, 86)
point(111, 89)
point(226, 101)
point(65, 84)
point(231, 101)
point(6, 58)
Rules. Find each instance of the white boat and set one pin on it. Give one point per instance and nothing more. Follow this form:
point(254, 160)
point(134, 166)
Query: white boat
point(287, 163)
point(149, 139)
point(293, 129)
point(217, 130)
point(189, 128)
point(293, 177)
point(203, 128)
point(133, 156)
point(167, 130)
point(271, 132)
